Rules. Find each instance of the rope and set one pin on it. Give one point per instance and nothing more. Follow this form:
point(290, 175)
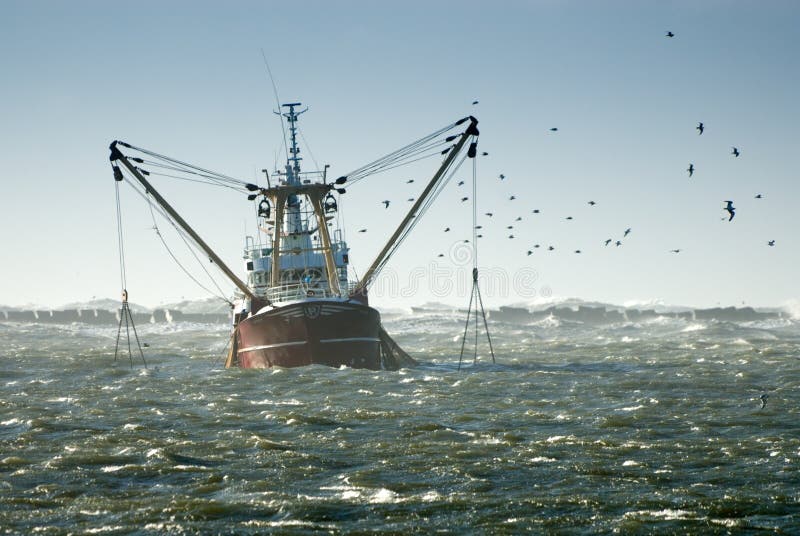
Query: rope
point(181, 234)
point(121, 248)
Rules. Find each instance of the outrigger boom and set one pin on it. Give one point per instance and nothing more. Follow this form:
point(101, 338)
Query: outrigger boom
point(116, 155)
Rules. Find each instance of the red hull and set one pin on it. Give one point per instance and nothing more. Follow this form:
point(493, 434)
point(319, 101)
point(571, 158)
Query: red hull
point(323, 332)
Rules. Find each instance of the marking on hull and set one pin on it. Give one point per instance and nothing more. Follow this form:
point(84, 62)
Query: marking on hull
point(268, 346)
point(351, 339)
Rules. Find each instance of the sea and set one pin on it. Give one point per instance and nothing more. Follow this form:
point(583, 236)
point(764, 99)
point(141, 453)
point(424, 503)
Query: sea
point(654, 426)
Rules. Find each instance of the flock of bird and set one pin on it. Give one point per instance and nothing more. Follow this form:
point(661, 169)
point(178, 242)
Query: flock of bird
point(701, 128)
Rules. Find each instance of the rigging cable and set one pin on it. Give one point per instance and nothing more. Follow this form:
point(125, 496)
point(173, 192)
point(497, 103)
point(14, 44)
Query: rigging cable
point(182, 235)
point(124, 312)
point(475, 293)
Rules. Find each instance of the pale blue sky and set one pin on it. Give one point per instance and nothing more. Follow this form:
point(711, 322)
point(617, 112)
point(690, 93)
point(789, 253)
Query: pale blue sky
point(187, 79)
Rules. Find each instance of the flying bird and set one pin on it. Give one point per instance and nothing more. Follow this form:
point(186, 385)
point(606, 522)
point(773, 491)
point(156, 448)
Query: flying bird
point(763, 398)
point(447, 229)
point(530, 253)
point(759, 196)
point(550, 248)
point(512, 198)
point(410, 199)
point(510, 227)
point(502, 177)
point(618, 243)
point(554, 129)
point(592, 203)
point(474, 102)
point(670, 34)
point(735, 152)
point(409, 181)
point(484, 153)
point(731, 209)
point(627, 232)
point(608, 241)
point(440, 255)
point(577, 251)
point(489, 214)
point(461, 183)
point(385, 203)
point(771, 243)
point(535, 246)
point(690, 169)
point(535, 211)
point(479, 226)
point(511, 236)
point(569, 217)
point(519, 218)
point(464, 199)
point(700, 128)
point(362, 230)
point(675, 250)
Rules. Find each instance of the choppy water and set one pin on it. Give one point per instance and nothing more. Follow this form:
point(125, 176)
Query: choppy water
point(632, 428)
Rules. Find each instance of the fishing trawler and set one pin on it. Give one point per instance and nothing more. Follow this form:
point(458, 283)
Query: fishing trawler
point(297, 305)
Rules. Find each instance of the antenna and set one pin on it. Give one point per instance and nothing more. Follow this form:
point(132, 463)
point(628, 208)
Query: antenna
point(277, 99)
point(291, 116)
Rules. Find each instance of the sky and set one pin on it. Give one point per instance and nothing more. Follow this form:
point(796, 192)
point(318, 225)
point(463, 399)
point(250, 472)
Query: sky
point(187, 79)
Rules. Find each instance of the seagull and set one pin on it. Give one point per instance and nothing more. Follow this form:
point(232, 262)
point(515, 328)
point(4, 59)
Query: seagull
point(759, 196)
point(690, 169)
point(502, 177)
point(464, 199)
point(627, 232)
point(409, 181)
point(735, 152)
point(461, 183)
point(386, 203)
point(675, 250)
point(511, 198)
point(554, 129)
point(362, 230)
point(700, 128)
point(771, 243)
point(731, 209)
point(592, 203)
point(670, 34)
point(608, 241)
point(763, 399)
point(447, 229)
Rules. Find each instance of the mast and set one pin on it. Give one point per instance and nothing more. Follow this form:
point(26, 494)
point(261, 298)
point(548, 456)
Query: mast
point(116, 154)
point(471, 130)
